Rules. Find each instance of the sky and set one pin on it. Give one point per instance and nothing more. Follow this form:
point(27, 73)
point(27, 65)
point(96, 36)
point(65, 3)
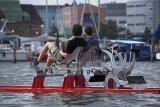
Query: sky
point(61, 2)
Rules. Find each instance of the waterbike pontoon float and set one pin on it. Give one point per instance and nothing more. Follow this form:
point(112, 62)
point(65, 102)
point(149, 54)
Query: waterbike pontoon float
point(115, 76)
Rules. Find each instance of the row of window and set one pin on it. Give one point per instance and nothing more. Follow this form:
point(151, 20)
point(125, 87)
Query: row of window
point(115, 14)
point(140, 5)
point(139, 16)
point(115, 7)
point(137, 24)
point(122, 22)
point(67, 25)
point(131, 15)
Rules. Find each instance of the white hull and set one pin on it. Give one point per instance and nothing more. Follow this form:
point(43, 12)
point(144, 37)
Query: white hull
point(20, 56)
point(158, 56)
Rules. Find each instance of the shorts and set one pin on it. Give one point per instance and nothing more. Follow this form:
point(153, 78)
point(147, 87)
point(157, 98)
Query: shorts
point(55, 53)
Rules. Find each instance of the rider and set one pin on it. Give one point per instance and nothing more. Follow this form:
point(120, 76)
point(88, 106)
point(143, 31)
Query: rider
point(72, 44)
point(90, 38)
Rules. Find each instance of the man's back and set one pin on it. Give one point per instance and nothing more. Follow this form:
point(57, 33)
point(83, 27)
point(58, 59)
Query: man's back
point(74, 43)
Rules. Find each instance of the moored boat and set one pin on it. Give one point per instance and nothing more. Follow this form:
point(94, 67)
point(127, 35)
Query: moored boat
point(6, 49)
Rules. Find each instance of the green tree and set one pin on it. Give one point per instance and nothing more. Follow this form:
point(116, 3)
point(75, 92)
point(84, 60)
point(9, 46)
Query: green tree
point(129, 34)
point(121, 32)
point(147, 31)
point(53, 31)
point(110, 30)
point(103, 29)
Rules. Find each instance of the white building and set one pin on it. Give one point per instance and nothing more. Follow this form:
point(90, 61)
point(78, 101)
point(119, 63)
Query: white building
point(157, 21)
point(141, 14)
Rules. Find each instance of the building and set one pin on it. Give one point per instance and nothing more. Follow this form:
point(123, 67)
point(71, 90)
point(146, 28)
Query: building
point(29, 20)
point(70, 14)
point(142, 14)
point(50, 14)
point(157, 21)
point(117, 12)
point(22, 19)
point(35, 22)
point(87, 16)
point(11, 10)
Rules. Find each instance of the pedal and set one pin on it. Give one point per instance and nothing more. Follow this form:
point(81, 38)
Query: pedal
point(40, 71)
point(136, 80)
point(97, 78)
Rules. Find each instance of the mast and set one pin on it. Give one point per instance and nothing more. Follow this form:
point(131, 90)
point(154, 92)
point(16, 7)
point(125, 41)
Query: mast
point(101, 42)
point(57, 26)
point(46, 18)
point(74, 11)
point(99, 15)
point(84, 6)
point(2, 29)
point(92, 15)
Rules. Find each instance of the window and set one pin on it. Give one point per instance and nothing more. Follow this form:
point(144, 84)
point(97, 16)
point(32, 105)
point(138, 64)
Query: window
point(130, 15)
point(139, 24)
point(130, 24)
point(141, 5)
point(139, 14)
point(130, 6)
point(122, 22)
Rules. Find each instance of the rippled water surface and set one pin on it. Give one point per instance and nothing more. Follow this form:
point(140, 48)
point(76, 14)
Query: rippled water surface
point(21, 74)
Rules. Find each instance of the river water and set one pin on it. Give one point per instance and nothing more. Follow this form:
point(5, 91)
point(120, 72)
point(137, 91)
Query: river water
point(21, 74)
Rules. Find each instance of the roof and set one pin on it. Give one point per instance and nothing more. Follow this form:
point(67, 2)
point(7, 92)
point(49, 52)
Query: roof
point(12, 10)
point(7, 37)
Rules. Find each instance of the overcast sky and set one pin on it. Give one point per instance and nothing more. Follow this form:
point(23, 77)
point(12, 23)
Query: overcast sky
point(54, 2)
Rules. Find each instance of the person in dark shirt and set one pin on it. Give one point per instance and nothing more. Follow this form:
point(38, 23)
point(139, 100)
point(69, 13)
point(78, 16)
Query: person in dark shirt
point(90, 38)
point(72, 44)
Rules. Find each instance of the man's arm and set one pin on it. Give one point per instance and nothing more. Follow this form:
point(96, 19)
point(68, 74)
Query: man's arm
point(65, 55)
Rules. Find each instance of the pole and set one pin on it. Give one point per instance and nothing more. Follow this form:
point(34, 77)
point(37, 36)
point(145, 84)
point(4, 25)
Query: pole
point(152, 48)
point(101, 43)
point(99, 11)
point(14, 50)
point(57, 31)
point(93, 17)
point(126, 30)
point(47, 17)
point(74, 12)
point(2, 29)
point(57, 39)
point(82, 15)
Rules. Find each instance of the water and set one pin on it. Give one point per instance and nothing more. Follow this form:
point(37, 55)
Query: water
point(21, 74)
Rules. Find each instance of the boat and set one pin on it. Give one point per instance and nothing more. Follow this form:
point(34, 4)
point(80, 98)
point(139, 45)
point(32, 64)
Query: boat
point(6, 49)
point(7, 46)
point(34, 45)
point(116, 75)
point(143, 49)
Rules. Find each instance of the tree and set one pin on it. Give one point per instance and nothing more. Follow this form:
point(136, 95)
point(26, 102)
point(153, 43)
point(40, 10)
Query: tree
point(121, 32)
point(147, 31)
point(53, 31)
point(110, 30)
point(129, 33)
point(103, 29)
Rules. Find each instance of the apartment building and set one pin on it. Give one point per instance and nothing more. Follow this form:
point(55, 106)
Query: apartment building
point(69, 15)
point(48, 18)
point(142, 14)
